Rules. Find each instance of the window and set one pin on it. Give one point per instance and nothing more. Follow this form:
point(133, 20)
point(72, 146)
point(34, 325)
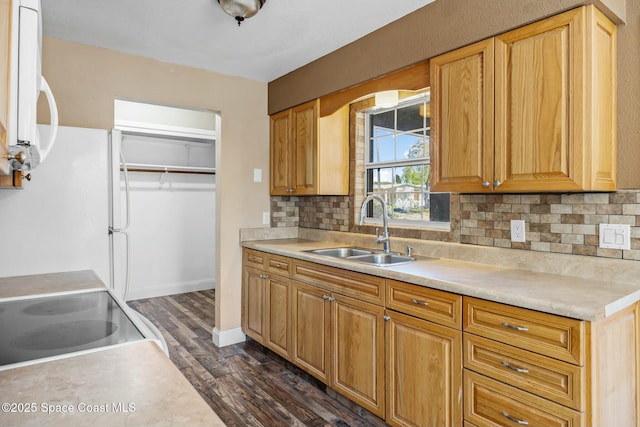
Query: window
point(397, 165)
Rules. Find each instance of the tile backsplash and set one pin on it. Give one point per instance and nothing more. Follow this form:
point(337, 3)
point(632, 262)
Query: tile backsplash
point(555, 223)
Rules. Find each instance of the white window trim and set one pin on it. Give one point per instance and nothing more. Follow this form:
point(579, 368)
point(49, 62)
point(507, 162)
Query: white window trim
point(393, 222)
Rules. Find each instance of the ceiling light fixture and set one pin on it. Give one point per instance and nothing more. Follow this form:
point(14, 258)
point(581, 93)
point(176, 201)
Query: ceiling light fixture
point(241, 9)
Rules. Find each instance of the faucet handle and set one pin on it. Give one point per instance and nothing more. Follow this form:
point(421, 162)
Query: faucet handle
point(409, 249)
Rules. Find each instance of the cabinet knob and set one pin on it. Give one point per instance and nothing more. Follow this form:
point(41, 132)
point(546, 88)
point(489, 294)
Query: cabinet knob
point(264, 276)
point(325, 297)
point(289, 190)
point(19, 157)
point(497, 183)
point(486, 184)
point(386, 318)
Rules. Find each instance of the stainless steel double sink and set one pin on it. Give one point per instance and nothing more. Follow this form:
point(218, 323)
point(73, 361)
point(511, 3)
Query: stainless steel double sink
point(367, 256)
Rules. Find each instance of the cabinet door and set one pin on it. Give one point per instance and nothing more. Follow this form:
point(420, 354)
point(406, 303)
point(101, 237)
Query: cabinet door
point(304, 121)
point(462, 97)
point(278, 327)
point(281, 153)
point(5, 63)
point(253, 315)
point(539, 100)
point(357, 369)
point(310, 321)
point(424, 373)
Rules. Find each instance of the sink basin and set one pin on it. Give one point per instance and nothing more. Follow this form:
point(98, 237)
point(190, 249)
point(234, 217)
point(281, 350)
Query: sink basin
point(345, 252)
point(382, 259)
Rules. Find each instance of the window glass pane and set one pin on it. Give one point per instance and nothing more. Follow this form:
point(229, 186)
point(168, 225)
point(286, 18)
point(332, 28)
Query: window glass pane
point(409, 118)
point(410, 146)
point(406, 204)
point(382, 149)
point(380, 179)
point(402, 136)
point(413, 175)
point(382, 123)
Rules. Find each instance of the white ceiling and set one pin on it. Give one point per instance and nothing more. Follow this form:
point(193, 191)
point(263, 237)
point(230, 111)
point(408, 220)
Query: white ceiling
point(283, 36)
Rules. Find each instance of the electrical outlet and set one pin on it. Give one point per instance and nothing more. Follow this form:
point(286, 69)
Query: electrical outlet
point(517, 230)
point(615, 236)
point(266, 218)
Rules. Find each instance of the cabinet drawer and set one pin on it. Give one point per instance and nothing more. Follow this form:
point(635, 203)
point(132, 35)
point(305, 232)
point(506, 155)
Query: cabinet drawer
point(255, 259)
point(279, 265)
point(491, 403)
point(362, 286)
point(437, 306)
point(554, 336)
point(552, 379)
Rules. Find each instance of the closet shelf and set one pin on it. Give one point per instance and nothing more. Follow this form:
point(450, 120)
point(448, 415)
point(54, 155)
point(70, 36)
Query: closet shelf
point(144, 167)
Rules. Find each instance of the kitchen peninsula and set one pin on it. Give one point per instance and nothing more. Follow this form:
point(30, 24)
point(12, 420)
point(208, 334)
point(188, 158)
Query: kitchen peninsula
point(129, 384)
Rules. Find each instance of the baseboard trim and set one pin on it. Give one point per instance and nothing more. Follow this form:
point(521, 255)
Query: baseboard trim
point(228, 337)
point(170, 289)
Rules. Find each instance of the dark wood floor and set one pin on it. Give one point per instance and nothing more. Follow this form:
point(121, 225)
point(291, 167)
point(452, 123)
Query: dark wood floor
point(245, 384)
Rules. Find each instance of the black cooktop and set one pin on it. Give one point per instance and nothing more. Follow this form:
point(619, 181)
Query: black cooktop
point(34, 328)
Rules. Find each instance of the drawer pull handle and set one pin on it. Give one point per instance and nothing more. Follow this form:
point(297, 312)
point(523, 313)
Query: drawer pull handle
point(515, 368)
point(415, 301)
point(517, 328)
point(515, 420)
point(278, 265)
point(254, 259)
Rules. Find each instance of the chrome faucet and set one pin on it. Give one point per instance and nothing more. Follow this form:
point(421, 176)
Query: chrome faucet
point(384, 239)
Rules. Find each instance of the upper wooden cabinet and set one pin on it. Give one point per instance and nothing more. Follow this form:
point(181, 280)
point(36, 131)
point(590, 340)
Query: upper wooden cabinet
point(309, 153)
point(8, 179)
point(531, 110)
point(5, 35)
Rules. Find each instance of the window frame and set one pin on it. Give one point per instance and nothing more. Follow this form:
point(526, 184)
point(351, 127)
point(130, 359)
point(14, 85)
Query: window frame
point(424, 161)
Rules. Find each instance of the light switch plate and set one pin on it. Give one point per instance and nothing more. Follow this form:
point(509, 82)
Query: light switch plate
point(615, 236)
point(257, 175)
point(517, 230)
point(266, 218)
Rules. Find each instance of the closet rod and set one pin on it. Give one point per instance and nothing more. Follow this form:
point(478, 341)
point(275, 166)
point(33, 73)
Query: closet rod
point(143, 167)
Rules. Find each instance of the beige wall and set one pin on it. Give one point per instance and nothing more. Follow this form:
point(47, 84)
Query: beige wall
point(85, 81)
point(448, 24)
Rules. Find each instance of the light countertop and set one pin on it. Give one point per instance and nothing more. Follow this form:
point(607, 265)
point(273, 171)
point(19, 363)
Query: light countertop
point(565, 295)
point(131, 384)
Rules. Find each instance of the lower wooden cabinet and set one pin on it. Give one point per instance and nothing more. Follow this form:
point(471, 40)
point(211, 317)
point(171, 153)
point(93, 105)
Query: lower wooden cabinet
point(340, 341)
point(266, 301)
point(310, 313)
point(493, 403)
point(357, 352)
point(424, 372)
point(420, 357)
point(277, 331)
point(253, 289)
